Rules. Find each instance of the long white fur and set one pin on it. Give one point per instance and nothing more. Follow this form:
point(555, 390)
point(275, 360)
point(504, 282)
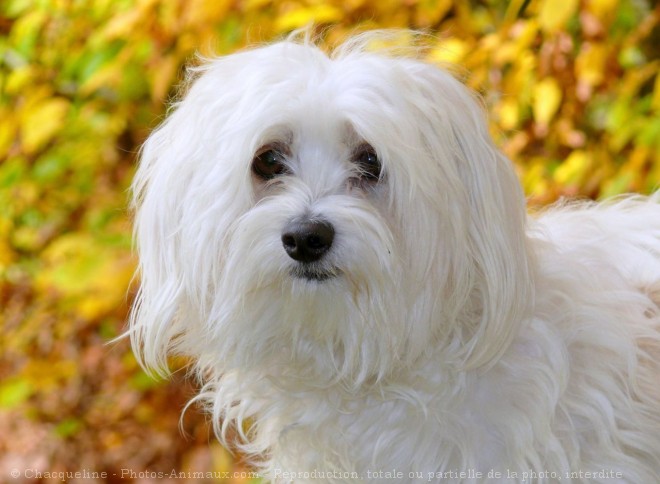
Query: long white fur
point(461, 335)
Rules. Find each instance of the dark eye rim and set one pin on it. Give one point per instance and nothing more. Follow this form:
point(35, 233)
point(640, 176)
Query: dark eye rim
point(369, 164)
point(266, 171)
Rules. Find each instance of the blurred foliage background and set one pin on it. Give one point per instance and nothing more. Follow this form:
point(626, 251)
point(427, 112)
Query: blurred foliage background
point(573, 91)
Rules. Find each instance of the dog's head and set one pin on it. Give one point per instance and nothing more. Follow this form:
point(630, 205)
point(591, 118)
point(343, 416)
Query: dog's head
point(327, 215)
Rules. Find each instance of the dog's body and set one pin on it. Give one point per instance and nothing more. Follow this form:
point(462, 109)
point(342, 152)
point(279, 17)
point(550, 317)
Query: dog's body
point(346, 256)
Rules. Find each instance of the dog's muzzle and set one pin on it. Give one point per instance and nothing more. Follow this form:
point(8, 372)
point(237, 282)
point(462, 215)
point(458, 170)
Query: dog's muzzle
point(307, 242)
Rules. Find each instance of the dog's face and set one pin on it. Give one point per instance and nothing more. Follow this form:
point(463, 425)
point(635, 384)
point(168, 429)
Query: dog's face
point(326, 216)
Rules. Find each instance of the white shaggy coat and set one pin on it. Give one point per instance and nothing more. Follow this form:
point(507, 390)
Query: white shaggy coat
point(458, 339)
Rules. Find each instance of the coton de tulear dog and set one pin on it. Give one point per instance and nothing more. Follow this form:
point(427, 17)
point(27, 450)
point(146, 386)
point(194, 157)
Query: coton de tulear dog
point(346, 257)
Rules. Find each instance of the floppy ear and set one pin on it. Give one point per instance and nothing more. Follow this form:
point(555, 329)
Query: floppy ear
point(186, 174)
point(497, 275)
point(157, 197)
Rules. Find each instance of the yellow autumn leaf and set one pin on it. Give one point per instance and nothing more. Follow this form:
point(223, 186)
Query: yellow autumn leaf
point(163, 77)
point(505, 53)
point(105, 76)
point(26, 238)
point(522, 78)
point(512, 11)
point(547, 96)
point(46, 374)
point(6, 226)
point(573, 169)
point(108, 293)
point(7, 255)
point(602, 8)
point(535, 179)
point(554, 14)
point(655, 102)
point(202, 12)
point(490, 42)
point(27, 25)
point(70, 264)
point(450, 51)
point(123, 24)
point(590, 64)
point(248, 5)
point(508, 113)
point(634, 79)
point(7, 131)
point(94, 277)
point(430, 12)
point(221, 459)
point(637, 159)
point(527, 34)
point(619, 183)
point(303, 16)
point(41, 121)
point(20, 78)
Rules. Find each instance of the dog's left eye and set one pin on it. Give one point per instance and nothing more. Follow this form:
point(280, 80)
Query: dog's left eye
point(268, 163)
point(368, 163)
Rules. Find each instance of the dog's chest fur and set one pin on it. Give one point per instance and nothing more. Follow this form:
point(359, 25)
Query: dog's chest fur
point(552, 403)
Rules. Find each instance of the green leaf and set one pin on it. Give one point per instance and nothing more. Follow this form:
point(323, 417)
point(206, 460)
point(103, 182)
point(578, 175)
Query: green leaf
point(650, 133)
point(14, 8)
point(68, 427)
point(49, 167)
point(141, 381)
point(14, 392)
point(94, 60)
point(26, 32)
point(11, 172)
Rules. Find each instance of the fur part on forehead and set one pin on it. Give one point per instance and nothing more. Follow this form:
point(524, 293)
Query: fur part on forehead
point(337, 244)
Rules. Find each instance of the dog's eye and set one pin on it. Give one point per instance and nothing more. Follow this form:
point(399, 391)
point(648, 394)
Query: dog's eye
point(368, 163)
point(268, 163)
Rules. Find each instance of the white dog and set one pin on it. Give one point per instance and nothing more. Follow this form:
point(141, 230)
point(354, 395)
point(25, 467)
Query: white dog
point(347, 258)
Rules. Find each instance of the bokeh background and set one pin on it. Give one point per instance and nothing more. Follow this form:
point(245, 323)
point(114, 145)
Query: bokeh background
point(573, 92)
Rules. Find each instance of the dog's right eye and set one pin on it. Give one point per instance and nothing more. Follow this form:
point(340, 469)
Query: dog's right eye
point(268, 163)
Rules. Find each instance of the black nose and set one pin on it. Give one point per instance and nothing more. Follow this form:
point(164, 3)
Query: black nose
point(307, 241)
